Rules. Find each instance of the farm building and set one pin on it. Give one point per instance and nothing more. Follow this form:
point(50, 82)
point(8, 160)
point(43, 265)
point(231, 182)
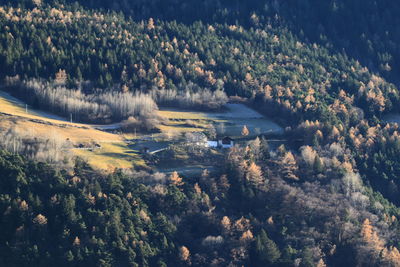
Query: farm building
point(200, 140)
point(226, 142)
point(213, 144)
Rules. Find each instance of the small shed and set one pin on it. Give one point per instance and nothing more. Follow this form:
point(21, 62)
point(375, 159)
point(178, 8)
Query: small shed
point(226, 142)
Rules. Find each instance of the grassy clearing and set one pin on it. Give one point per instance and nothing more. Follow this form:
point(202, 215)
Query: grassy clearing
point(178, 129)
point(114, 152)
point(184, 121)
point(111, 156)
point(16, 108)
point(228, 122)
point(74, 134)
point(182, 115)
point(10, 108)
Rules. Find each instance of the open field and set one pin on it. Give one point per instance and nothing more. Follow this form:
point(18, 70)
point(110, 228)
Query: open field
point(110, 156)
point(238, 111)
point(229, 122)
point(113, 153)
point(177, 114)
point(182, 121)
point(177, 129)
point(74, 134)
point(11, 105)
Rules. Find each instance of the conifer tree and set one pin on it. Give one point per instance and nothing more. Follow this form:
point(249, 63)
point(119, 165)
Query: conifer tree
point(266, 249)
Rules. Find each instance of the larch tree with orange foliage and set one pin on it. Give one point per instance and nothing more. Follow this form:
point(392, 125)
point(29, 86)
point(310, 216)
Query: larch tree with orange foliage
point(254, 174)
point(175, 179)
point(374, 246)
point(245, 131)
point(184, 254)
point(226, 223)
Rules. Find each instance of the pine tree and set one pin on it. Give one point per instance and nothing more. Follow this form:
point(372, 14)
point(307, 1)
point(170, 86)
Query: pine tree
point(266, 250)
point(307, 259)
point(69, 256)
point(78, 74)
point(318, 165)
point(264, 148)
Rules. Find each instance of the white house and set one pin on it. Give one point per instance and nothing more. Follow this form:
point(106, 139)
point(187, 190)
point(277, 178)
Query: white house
point(200, 140)
point(213, 144)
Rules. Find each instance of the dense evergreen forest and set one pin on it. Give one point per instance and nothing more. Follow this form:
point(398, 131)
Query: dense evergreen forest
point(366, 30)
point(328, 68)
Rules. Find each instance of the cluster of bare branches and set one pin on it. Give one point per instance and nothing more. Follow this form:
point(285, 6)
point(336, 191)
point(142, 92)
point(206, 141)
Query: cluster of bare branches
point(124, 105)
point(102, 107)
point(50, 148)
point(201, 99)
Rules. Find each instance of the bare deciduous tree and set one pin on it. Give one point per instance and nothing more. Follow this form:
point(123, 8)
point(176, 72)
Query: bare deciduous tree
point(191, 98)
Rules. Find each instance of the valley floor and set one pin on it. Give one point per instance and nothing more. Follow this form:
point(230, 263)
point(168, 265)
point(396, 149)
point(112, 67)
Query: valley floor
point(106, 147)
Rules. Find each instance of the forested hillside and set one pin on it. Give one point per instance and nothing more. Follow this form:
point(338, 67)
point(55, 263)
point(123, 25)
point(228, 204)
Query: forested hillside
point(364, 29)
point(324, 70)
point(248, 216)
point(73, 45)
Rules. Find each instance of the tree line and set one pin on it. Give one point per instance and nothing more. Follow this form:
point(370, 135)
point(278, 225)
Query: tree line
point(102, 107)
